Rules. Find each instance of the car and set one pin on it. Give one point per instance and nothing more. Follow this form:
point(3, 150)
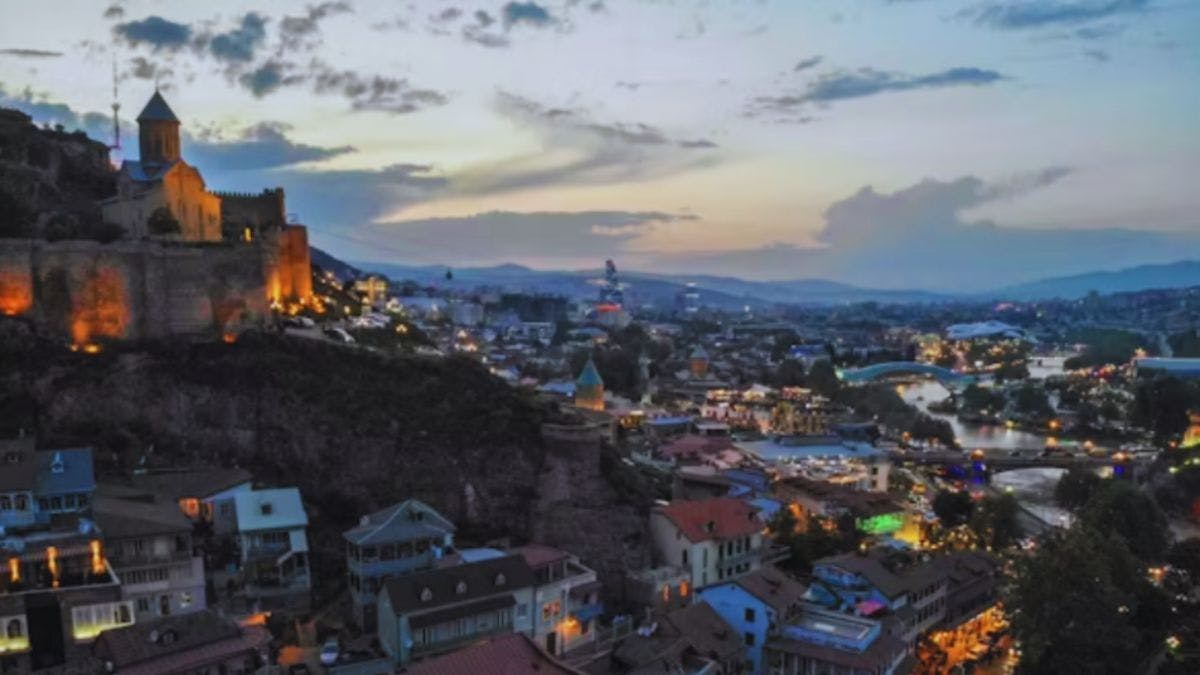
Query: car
point(330, 652)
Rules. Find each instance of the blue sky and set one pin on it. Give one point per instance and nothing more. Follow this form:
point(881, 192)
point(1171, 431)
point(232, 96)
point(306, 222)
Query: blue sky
point(892, 143)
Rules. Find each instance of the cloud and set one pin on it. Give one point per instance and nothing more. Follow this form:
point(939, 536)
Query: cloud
point(263, 145)
point(448, 15)
point(268, 77)
point(1040, 13)
point(863, 82)
point(502, 236)
point(805, 64)
point(375, 92)
point(698, 143)
point(240, 43)
point(30, 53)
point(155, 31)
point(578, 150)
point(920, 236)
point(145, 69)
point(483, 18)
point(297, 32)
point(1098, 55)
point(528, 13)
point(114, 12)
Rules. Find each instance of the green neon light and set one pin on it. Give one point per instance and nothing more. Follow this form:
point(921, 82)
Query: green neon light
point(885, 523)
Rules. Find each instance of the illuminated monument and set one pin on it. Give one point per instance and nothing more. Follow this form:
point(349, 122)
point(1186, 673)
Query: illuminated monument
point(191, 262)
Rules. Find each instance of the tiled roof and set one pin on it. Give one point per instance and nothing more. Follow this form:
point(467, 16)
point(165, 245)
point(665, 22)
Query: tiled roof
point(197, 638)
point(120, 518)
point(157, 110)
point(537, 555)
point(479, 580)
point(400, 522)
point(145, 173)
point(694, 444)
point(892, 572)
point(693, 630)
point(511, 654)
point(773, 587)
point(705, 519)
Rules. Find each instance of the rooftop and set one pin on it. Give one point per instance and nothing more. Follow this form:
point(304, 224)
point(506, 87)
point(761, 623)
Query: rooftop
point(455, 585)
point(157, 110)
point(177, 644)
point(719, 518)
point(278, 508)
point(777, 590)
point(892, 572)
point(510, 654)
point(408, 520)
point(121, 518)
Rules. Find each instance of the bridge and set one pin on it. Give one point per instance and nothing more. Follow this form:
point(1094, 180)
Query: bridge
point(875, 371)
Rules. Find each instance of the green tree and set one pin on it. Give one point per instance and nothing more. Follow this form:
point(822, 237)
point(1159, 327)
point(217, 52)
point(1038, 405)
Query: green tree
point(823, 379)
point(976, 399)
point(1032, 400)
point(1076, 487)
point(952, 508)
point(1161, 405)
point(161, 221)
point(1082, 604)
point(790, 373)
point(995, 521)
point(1123, 509)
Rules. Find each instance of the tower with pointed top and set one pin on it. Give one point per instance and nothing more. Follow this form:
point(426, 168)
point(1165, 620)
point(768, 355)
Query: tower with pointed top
point(698, 363)
point(158, 132)
point(589, 388)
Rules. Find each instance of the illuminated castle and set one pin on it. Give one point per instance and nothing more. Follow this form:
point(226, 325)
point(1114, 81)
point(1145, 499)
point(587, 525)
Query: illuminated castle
point(191, 262)
point(589, 388)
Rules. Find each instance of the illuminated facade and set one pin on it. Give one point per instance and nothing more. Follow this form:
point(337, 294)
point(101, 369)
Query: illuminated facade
point(566, 599)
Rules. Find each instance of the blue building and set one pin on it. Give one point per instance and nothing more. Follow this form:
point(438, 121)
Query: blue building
point(401, 539)
point(817, 640)
point(755, 605)
point(35, 485)
point(883, 581)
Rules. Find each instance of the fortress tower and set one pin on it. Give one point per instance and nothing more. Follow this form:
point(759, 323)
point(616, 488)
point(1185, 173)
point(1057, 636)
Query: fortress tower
point(158, 133)
point(589, 388)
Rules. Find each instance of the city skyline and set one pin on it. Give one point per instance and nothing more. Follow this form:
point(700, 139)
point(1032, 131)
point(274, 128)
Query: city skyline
point(892, 144)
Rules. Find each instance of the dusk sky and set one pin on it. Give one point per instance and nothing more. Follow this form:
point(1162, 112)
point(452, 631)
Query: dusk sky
point(887, 143)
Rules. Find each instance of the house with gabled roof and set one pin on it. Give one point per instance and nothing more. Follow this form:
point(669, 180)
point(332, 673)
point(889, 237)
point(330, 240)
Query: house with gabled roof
point(406, 537)
point(755, 605)
point(713, 539)
point(437, 611)
point(272, 546)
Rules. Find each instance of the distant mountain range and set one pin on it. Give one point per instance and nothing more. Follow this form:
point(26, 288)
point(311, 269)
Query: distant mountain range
point(662, 290)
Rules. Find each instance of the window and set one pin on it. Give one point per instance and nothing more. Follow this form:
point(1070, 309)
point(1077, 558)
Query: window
point(15, 628)
point(185, 599)
point(522, 611)
point(683, 556)
point(266, 509)
point(22, 503)
point(143, 604)
point(56, 504)
point(750, 614)
point(749, 639)
point(5, 503)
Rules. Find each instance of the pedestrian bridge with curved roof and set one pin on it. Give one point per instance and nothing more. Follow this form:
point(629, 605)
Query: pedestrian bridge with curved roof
point(877, 371)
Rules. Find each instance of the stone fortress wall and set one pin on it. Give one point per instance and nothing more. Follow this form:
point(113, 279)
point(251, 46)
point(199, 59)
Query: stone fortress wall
point(87, 291)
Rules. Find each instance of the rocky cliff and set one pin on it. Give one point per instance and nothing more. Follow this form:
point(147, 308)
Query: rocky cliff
point(50, 181)
point(354, 430)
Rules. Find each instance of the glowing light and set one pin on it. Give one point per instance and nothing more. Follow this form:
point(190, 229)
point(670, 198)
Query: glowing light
point(666, 593)
point(52, 564)
point(14, 570)
point(229, 338)
point(1054, 425)
point(684, 589)
point(98, 567)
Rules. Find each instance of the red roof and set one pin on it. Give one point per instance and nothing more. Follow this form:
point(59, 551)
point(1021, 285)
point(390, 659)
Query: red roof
point(511, 654)
point(705, 519)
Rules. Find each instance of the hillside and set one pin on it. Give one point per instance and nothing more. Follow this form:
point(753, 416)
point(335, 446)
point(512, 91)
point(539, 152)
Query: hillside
point(50, 181)
point(354, 431)
point(1143, 277)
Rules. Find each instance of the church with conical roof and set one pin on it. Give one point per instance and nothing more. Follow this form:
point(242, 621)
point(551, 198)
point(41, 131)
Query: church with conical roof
point(159, 195)
point(589, 388)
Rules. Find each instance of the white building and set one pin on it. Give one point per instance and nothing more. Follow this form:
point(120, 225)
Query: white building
point(713, 539)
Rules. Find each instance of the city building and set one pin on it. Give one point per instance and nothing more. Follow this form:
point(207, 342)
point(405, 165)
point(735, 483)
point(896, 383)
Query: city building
point(149, 545)
point(433, 612)
point(200, 642)
point(57, 588)
point(373, 289)
point(693, 640)
point(406, 537)
point(755, 605)
point(197, 491)
point(873, 512)
point(881, 579)
point(566, 599)
point(272, 546)
point(661, 589)
point(816, 640)
point(713, 539)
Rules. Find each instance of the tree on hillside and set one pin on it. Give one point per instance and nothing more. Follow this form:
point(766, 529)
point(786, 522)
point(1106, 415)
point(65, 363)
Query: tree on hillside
point(995, 521)
point(1082, 604)
point(1076, 487)
point(162, 221)
point(823, 379)
point(952, 508)
point(1123, 509)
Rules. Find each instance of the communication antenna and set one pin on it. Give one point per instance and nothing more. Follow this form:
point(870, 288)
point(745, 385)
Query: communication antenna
point(116, 107)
